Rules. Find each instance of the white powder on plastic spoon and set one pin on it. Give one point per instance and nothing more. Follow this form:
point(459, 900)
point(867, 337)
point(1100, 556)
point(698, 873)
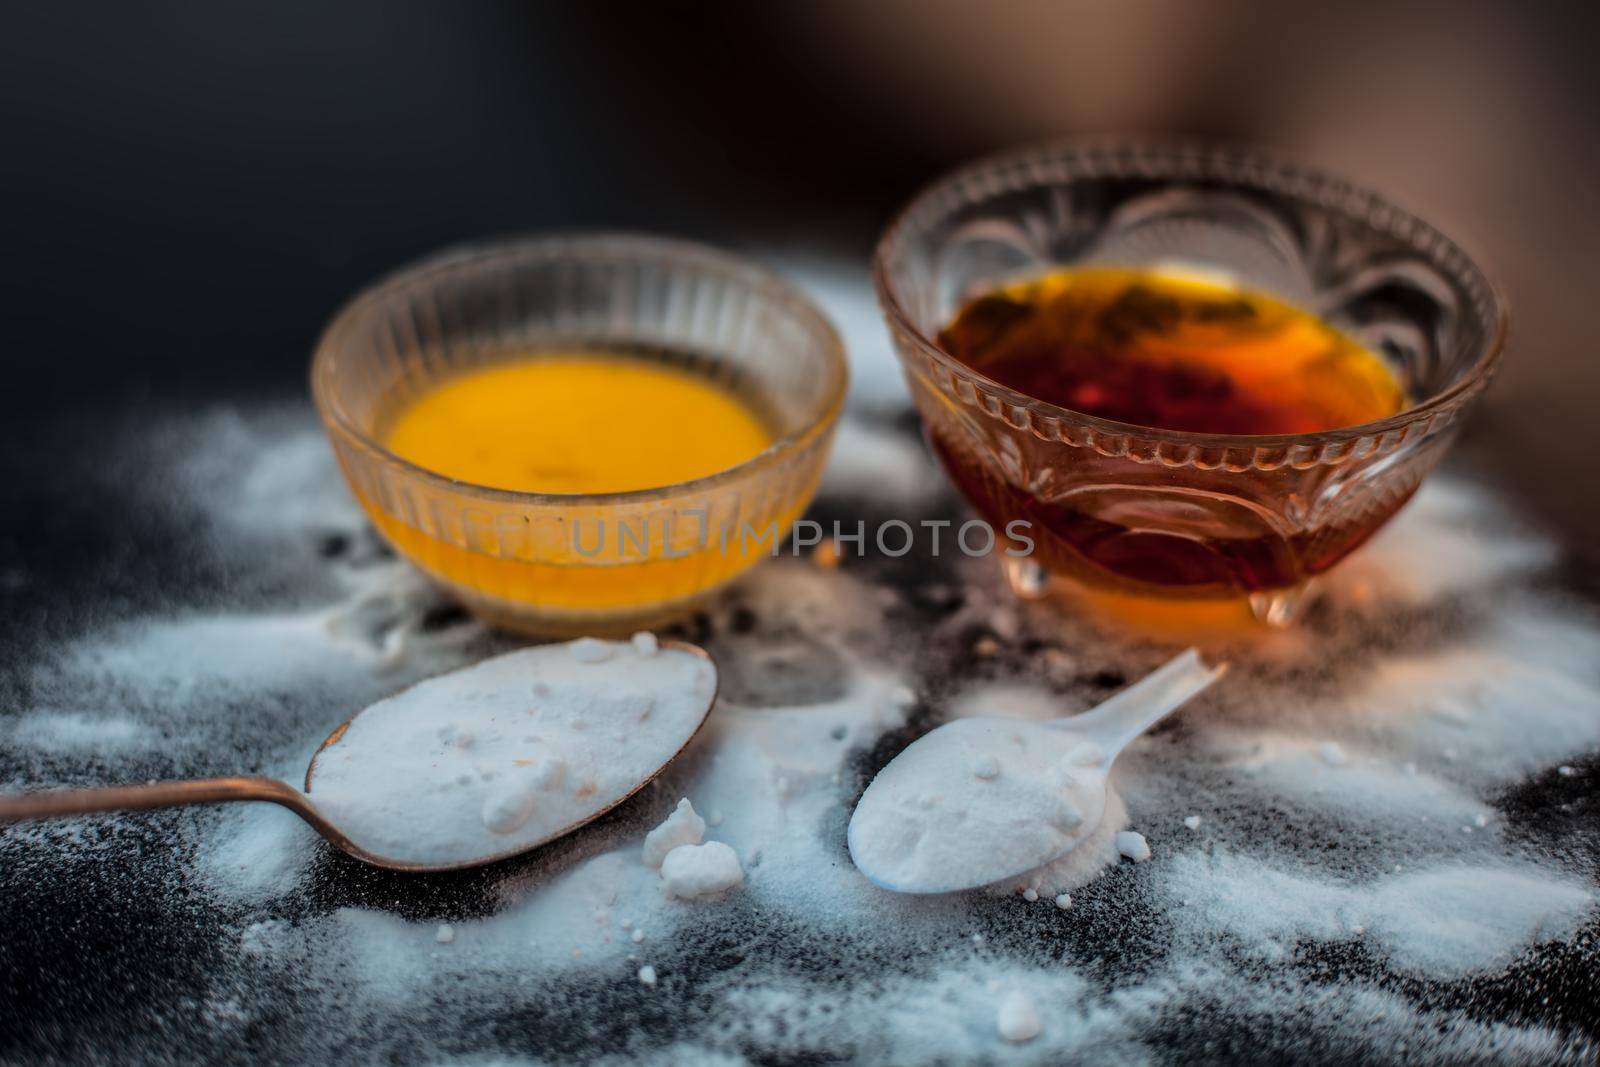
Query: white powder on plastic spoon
point(975, 799)
point(982, 800)
point(503, 755)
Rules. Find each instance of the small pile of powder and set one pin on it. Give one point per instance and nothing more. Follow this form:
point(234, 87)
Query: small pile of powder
point(688, 868)
point(683, 827)
point(701, 870)
point(1016, 1019)
point(1133, 846)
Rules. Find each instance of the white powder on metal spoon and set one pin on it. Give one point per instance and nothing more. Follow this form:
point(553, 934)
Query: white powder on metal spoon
point(503, 755)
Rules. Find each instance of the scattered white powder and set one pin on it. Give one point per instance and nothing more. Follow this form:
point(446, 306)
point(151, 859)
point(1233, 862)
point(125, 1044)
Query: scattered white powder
point(255, 850)
point(647, 975)
point(1290, 769)
point(539, 759)
point(251, 688)
point(947, 1012)
point(1332, 754)
point(1457, 921)
point(876, 463)
point(81, 732)
point(1016, 1019)
point(1133, 846)
point(1011, 700)
point(683, 827)
point(592, 650)
point(1447, 922)
point(1192, 821)
point(700, 870)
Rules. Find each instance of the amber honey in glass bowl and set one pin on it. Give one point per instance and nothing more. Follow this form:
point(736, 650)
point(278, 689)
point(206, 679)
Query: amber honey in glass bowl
point(1199, 374)
point(1173, 351)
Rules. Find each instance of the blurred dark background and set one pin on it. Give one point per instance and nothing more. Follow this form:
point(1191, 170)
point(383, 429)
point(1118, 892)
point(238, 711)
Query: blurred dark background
point(191, 188)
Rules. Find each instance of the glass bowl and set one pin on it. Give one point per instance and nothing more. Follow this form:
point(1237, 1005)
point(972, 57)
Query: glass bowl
point(1252, 519)
point(565, 564)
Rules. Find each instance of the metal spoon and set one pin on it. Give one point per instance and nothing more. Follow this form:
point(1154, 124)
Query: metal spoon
point(952, 811)
point(48, 804)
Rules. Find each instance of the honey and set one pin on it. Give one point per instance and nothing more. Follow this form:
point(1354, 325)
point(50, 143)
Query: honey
point(1173, 352)
point(578, 423)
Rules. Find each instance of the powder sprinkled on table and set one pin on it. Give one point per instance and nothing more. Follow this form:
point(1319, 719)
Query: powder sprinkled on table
point(826, 650)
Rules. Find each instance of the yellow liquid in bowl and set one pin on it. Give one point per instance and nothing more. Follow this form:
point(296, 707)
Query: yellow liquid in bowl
point(577, 424)
point(584, 423)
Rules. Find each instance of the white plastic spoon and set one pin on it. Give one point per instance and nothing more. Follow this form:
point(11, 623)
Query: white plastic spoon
point(980, 800)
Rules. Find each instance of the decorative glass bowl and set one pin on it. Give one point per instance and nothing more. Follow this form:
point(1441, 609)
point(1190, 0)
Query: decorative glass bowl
point(560, 564)
point(1223, 504)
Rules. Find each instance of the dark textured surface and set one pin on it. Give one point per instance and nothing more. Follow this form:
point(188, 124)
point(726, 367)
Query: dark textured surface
point(191, 189)
point(118, 950)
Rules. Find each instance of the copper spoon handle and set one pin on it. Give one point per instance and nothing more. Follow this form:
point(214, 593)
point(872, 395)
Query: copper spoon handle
point(52, 803)
point(17, 807)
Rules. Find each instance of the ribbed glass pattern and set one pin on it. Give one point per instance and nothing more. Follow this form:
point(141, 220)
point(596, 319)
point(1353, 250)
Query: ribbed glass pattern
point(562, 564)
point(1380, 274)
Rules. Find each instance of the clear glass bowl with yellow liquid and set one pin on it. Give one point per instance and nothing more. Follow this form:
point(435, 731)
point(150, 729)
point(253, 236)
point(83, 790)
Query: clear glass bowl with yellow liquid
point(581, 434)
point(1203, 375)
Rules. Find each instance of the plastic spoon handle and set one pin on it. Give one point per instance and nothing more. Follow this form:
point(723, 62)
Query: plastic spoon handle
point(1125, 716)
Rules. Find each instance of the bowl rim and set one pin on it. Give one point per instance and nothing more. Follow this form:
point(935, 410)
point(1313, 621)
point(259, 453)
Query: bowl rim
point(620, 246)
point(1178, 159)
